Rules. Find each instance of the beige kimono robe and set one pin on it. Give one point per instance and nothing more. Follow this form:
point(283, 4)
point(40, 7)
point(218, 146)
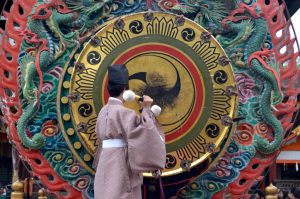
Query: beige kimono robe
point(113, 178)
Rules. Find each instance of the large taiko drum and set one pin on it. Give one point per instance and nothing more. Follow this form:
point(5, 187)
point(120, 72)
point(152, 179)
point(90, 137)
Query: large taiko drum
point(170, 58)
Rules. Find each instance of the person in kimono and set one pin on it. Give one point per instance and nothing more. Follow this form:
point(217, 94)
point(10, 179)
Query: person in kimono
point(114, 178)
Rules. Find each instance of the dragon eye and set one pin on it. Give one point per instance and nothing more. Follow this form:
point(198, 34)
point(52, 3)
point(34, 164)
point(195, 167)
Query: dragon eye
point(205, 5)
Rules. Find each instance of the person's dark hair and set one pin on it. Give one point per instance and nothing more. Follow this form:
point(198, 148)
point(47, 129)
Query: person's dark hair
point(296, 193)
point(260, 193)
point(285, 193)
point(115, 90)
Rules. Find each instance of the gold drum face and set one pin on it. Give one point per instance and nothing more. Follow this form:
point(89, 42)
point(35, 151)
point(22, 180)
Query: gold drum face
point(170, 58)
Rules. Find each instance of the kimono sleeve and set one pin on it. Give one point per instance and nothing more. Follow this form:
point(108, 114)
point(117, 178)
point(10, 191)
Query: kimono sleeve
point(146, 145)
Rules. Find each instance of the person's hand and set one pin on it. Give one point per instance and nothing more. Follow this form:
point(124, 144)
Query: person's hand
point(147, 101)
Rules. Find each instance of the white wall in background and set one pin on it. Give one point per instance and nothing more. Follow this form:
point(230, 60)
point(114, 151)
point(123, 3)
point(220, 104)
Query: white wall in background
point(296, 23)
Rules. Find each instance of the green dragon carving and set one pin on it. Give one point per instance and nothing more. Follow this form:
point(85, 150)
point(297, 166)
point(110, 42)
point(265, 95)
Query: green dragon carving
point(51, 29)
point(38, 41)
point(255, 33)
point(91, 12)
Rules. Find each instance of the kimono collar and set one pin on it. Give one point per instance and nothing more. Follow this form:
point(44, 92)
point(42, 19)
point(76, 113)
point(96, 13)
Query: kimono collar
point(114, 101)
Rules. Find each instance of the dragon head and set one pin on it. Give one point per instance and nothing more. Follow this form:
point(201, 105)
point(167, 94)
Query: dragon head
point(204, 11)
point(92, 11)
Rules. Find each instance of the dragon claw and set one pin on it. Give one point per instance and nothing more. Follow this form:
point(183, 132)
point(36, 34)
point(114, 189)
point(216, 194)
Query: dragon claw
point(237, 57)
point(30, 94)
point(274, 108)
point(277, 100)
